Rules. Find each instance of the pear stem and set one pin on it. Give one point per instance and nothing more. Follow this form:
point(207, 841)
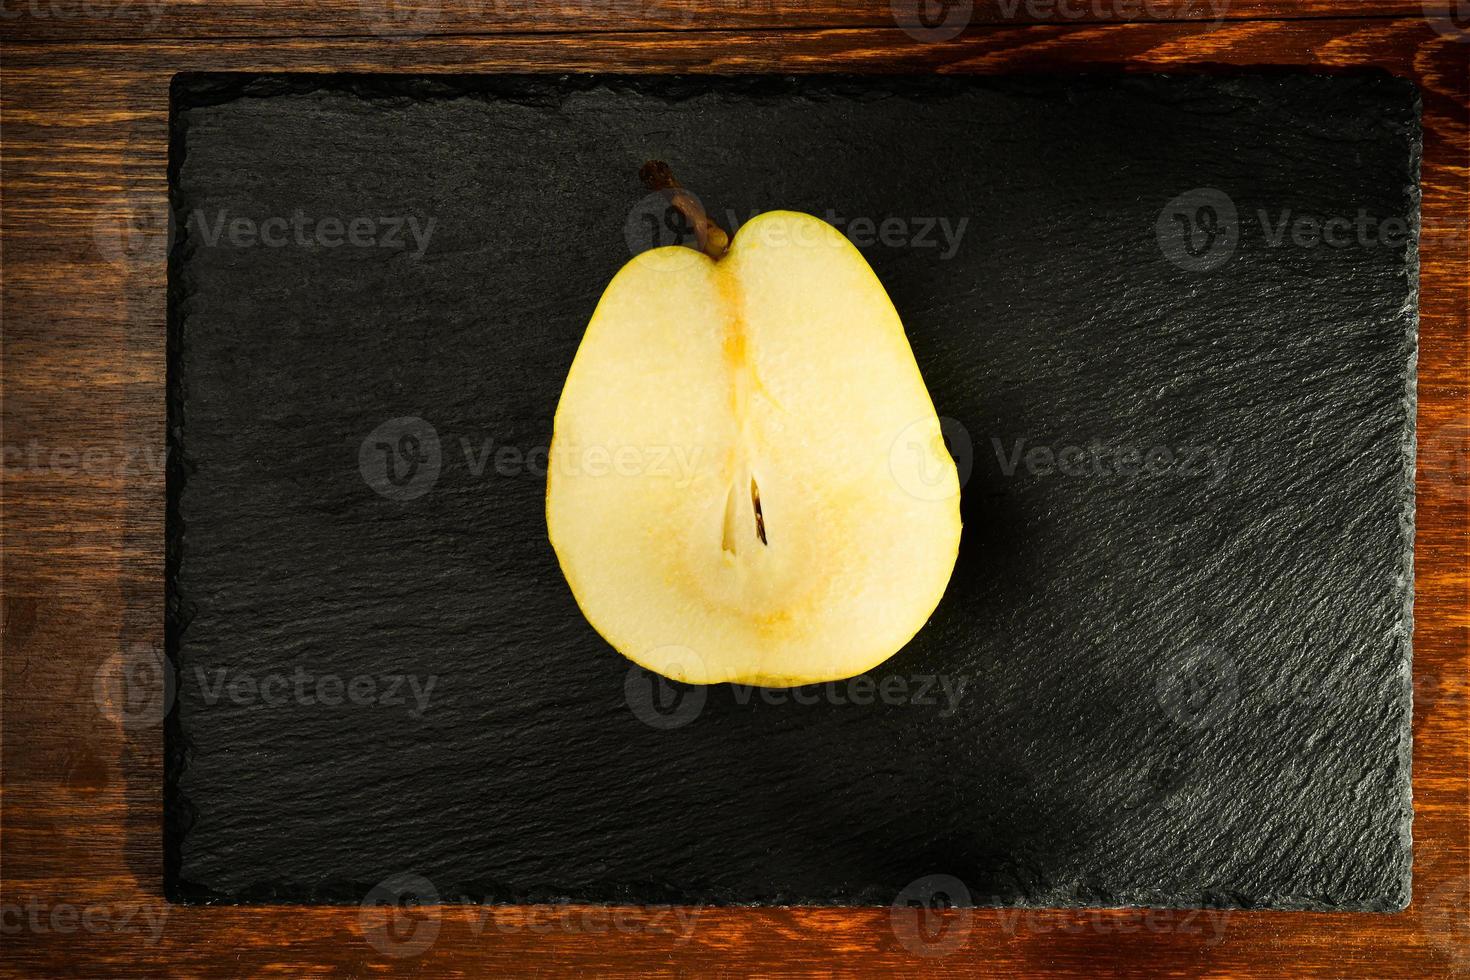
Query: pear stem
point(711, 238)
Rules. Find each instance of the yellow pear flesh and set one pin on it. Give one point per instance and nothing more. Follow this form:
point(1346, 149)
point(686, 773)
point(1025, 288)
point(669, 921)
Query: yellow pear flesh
point(747, 480)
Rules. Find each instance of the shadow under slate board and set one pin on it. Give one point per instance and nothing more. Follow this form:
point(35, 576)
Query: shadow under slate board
point(1170, 323)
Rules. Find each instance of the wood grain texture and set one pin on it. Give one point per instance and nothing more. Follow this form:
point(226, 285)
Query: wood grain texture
point(84, 234)
point(77, 20)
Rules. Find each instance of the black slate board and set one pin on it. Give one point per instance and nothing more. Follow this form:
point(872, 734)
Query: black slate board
point(1186, 685)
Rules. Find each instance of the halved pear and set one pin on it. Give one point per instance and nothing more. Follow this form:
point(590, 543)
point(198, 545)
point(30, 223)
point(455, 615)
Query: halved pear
point(747, 480)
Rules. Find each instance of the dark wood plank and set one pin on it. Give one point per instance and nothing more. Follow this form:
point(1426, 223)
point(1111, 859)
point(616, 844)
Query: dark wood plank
point(81, 220)
point(80, 20)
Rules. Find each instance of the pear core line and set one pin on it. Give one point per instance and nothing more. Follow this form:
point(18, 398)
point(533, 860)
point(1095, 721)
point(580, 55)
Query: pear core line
point(739, 522)
point(714, 241)
point(755, 505)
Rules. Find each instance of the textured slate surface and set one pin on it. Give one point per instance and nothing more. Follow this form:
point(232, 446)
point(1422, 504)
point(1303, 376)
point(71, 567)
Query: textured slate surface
point(1179, 678)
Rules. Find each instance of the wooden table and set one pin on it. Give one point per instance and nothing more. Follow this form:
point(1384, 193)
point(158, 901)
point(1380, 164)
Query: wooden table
point(84, 113)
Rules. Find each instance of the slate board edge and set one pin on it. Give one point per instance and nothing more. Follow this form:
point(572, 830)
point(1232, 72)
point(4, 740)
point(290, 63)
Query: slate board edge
point(189, 89)
point(1399, 902)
